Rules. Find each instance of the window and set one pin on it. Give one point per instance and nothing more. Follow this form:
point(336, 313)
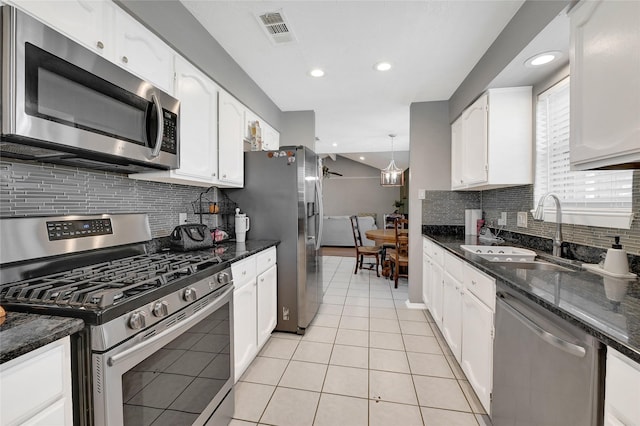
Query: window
point(594, 198)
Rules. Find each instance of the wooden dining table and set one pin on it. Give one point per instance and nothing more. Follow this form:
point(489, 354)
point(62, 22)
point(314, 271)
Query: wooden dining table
point(380, 236)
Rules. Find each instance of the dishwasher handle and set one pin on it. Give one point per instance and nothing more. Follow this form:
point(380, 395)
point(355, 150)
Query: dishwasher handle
point(550, 338)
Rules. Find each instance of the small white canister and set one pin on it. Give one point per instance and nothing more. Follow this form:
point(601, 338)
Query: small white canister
point(242, 226)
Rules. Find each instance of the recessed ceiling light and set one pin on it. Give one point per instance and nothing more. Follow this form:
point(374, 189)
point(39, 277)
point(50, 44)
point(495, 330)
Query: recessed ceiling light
point(361, 158)
point(382, 66)
point(334, 144)
point(542, 59)
point(316, 72)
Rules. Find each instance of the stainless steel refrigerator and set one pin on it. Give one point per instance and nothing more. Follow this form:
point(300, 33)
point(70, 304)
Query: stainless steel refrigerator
point(282, 196)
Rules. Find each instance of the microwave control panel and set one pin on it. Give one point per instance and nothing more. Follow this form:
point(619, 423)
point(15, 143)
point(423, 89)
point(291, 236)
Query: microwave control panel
point(64, 230)
point(170, 134)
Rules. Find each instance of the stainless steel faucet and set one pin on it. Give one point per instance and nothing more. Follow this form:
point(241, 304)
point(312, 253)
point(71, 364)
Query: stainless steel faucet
point(539, 215)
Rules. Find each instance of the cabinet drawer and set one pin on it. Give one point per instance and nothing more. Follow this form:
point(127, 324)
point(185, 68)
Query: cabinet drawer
point(481, 285)
point(437, 254)
point(266, 259)
point(244, 271)
point(453, 266)
point(427, 246)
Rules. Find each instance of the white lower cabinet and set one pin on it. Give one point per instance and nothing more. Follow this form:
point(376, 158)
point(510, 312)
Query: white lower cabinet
point(267, 303)
point(245, 309)
point(437, 280)
point(36, 387)
point(452, 304)
point(478, 308)
point(622, 390)
point(254, 305)
point(477, 347)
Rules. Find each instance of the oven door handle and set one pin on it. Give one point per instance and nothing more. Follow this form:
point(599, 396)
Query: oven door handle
point(180, 327)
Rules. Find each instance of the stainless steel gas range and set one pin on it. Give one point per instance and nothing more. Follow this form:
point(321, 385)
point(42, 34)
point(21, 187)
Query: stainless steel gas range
point(157, 348)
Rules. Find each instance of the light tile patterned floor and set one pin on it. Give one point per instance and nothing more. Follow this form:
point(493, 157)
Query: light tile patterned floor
point(365, 360)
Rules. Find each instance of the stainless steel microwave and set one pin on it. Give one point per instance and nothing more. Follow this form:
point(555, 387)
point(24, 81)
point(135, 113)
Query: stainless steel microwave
point(63, 103)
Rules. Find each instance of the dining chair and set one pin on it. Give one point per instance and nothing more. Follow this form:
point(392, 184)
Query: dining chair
point(400, 257)
point(363, 251)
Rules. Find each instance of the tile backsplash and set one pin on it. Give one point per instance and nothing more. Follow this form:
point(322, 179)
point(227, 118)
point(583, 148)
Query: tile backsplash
point(35, 189)
point(447, 208)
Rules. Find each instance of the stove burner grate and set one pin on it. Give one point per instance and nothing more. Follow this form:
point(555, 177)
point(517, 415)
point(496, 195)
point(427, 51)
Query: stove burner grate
point(105, 284)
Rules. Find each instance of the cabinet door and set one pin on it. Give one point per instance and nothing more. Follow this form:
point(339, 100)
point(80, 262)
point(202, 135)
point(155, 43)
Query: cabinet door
point(436, 282)
point(457, 152)
point(244, 327)
point(605, 83)
point(267, 303)
point(198, 97)
point(477, 347)
point(48, 402)
point(88, 22)
point(271, 138)
point(622, 393)
point(230, 141)
point(426, 280)
point(142, 53)
point(474, 142)
point(452, 314)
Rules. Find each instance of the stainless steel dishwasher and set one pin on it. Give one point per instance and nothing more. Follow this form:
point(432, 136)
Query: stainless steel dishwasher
point(546, 371)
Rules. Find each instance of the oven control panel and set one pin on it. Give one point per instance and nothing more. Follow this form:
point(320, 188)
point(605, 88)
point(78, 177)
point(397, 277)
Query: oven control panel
point(67, 229)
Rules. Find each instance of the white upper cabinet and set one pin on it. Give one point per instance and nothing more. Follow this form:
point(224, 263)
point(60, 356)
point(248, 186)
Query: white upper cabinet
point(457, 180)
point(87, 22)
point(142, 53)
point(198, 123)
point(605, 84)
point(198, 97)
point(230, 140)
point(492, 141)
point(270, 138)
point(111, 32)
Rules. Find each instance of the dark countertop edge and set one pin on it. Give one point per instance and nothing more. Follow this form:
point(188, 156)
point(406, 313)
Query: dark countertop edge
point(22, 333)
point(631, 352)
point(242, 251)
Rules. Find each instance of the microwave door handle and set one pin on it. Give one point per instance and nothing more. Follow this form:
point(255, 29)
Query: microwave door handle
point(158, 145)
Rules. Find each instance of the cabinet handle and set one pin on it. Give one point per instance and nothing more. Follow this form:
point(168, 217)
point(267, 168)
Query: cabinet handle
point(244, 272)
point(224, 176)
point(473, 282)
point(100, 45)
point(125, 59)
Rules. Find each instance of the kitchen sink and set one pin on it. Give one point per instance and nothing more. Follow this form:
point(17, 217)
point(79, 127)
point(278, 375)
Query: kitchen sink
point(501, 253)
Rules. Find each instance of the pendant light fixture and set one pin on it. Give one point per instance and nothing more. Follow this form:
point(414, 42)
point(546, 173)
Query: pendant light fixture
point(392, 175)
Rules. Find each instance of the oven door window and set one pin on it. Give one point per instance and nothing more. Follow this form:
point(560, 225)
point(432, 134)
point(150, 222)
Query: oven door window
point(175, 384)
point(59, 91)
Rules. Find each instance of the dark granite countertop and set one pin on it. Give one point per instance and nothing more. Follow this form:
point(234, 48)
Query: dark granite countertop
point(21, 333)
point(233, 252)
point(608, 309)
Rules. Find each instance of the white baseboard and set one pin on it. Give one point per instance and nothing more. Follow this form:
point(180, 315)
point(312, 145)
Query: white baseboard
point(411, 305)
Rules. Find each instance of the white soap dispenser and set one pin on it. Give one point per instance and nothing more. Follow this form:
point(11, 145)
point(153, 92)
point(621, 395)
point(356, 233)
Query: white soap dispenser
point(616, 261)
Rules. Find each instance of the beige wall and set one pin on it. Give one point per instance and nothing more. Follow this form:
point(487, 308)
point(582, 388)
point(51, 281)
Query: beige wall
point(357, 191)
point(429, 169)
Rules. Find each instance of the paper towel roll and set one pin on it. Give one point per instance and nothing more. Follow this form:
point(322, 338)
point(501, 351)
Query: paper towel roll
point(471, 217)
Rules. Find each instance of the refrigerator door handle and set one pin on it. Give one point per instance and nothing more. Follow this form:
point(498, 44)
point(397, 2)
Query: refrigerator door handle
point(320, 211)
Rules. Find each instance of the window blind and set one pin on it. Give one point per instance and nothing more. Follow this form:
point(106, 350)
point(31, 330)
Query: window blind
point(582, 193)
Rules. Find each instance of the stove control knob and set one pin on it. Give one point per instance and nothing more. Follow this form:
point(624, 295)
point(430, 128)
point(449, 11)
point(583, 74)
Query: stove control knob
point(137, 320)
point(189, 295)
point(223, 278)
point(160, 309)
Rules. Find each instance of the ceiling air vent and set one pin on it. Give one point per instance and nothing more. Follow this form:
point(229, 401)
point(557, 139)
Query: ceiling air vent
point(276, 27)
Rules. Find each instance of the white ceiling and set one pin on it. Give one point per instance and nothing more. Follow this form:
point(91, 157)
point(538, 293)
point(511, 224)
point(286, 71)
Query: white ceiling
point(431, 44)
